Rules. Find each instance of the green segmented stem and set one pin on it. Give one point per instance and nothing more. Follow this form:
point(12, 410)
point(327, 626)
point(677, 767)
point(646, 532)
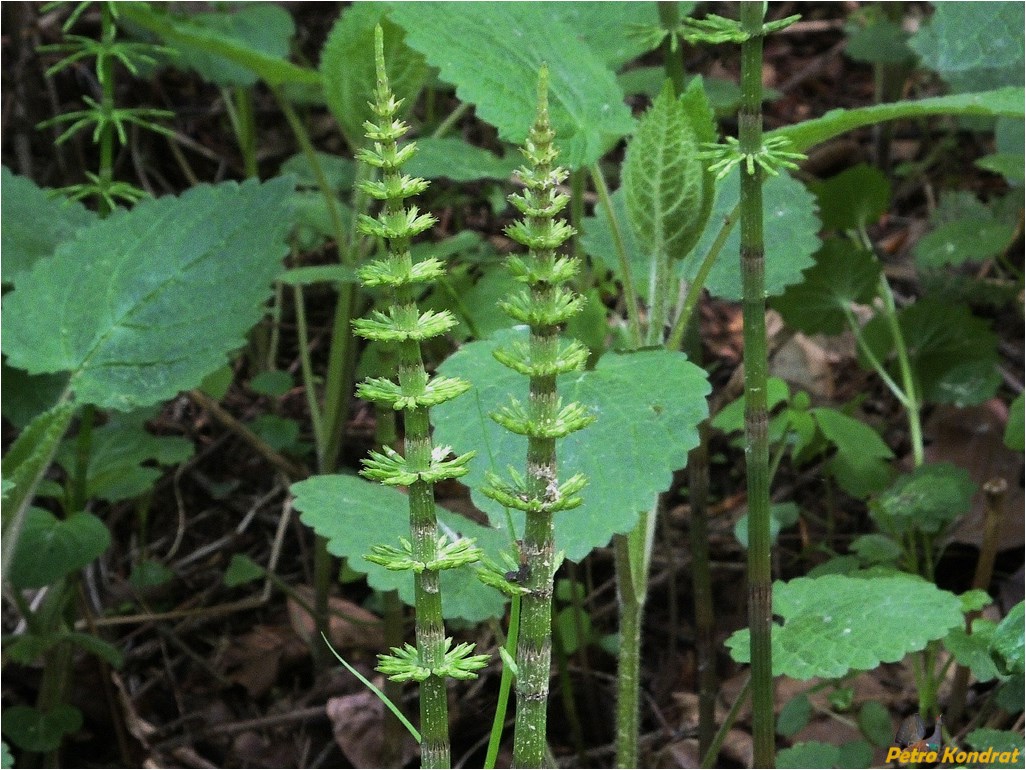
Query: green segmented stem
point(404, 326)
point(544, 303)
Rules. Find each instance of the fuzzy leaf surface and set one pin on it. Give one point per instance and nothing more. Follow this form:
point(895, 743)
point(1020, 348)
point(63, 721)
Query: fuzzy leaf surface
point(669, 189)
point(51, 548)
point(492, 53)
point(33, 223)
point(356, 515)
point(347, 67)
point(838, 623)
point(928, 499)
point(648, 405)
point(791, 237)
point(857, 197)
point(973, 46)
point(147, 302)
point(843, 274)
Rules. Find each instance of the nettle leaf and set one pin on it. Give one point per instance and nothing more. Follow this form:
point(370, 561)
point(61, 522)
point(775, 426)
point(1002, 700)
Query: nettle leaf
point(1007, 642)
point(839, 623)
point(30, 455)
point(455, 159)
point(1000, 741)
point(669, 190)
point(492, 53)
point(844, 274)
point(882, 41)
point(1002, 101)
point(973, 650)
point(356, 515)
point(648, 405)
point(263, 29)
point(809, 754)
point(855, 198)
point(974, 47)
point(928, 499)
point(600, 26)
point(33, 223)
point(51, 548)
point(239, 49)
point(145, 303)
point(791, 237)
point(952, 353)
point(40, 731)
point(965, 230)
point(860, 465)
point(347, 67)
point(117, 452)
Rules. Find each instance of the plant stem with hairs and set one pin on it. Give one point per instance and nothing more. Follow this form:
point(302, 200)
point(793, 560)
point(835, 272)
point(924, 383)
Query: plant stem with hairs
point(404, 326)
point(544, 304)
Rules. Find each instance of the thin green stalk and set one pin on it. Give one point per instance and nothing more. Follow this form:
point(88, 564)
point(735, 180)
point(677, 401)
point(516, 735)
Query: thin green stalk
point(709, 757)
point(306, 368)
point(106, 78)
point(629, 292)
point(760, 595)
point(905, 368)
point(505, 684)
point(628, 674)
point(673, 56)
point(566, 688)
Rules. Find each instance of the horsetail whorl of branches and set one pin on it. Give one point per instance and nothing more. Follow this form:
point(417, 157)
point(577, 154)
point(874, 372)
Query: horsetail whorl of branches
point(543, 303)
point(404, 326)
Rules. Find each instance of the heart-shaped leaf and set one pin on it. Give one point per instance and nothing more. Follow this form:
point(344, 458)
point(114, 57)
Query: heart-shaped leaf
point(648, 405)
point(51, 548)
point(40, 731)
point(840, 623)
point(356, 515)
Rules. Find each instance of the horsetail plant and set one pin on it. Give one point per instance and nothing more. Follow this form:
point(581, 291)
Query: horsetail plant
point(426, 553)
point(543, 304)
point(755, 156)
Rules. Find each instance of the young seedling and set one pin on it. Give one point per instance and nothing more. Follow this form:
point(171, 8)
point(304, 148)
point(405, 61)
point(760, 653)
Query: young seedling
point(426, 553)
point(544, 303)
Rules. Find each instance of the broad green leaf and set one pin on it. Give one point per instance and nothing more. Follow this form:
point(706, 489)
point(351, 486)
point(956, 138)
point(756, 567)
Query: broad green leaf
point(973, 650)
point(492, 53)
point(928, 499)
point(860, 465)
point(33, 223)
point(455, 159)
point(260, 30)
point(601, 26)
point(273, 70)
point(355, 515)
point(51, 548)
point(1005, 742)
point(648, 405)
point(117, 454)
point(1016, 427)
point(339, 172)
point(669, 190)
point(1002, 101)
point(844, 273)
point(40, 731)
point(839, 623)
point(1007, 642)
point(809, 754)
point(952, 353)
point(964, 230)
point(279, 433)
point(781, 515)
point(272, 383)
point(150, 573)
point(794, 715)
point(25, 396)
point(974, 46)
point(855, 198)
point(880, 42)
point(875, 549)
point(347, 67)
point(875, 723)
point(791, 237)
point(147, 302)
